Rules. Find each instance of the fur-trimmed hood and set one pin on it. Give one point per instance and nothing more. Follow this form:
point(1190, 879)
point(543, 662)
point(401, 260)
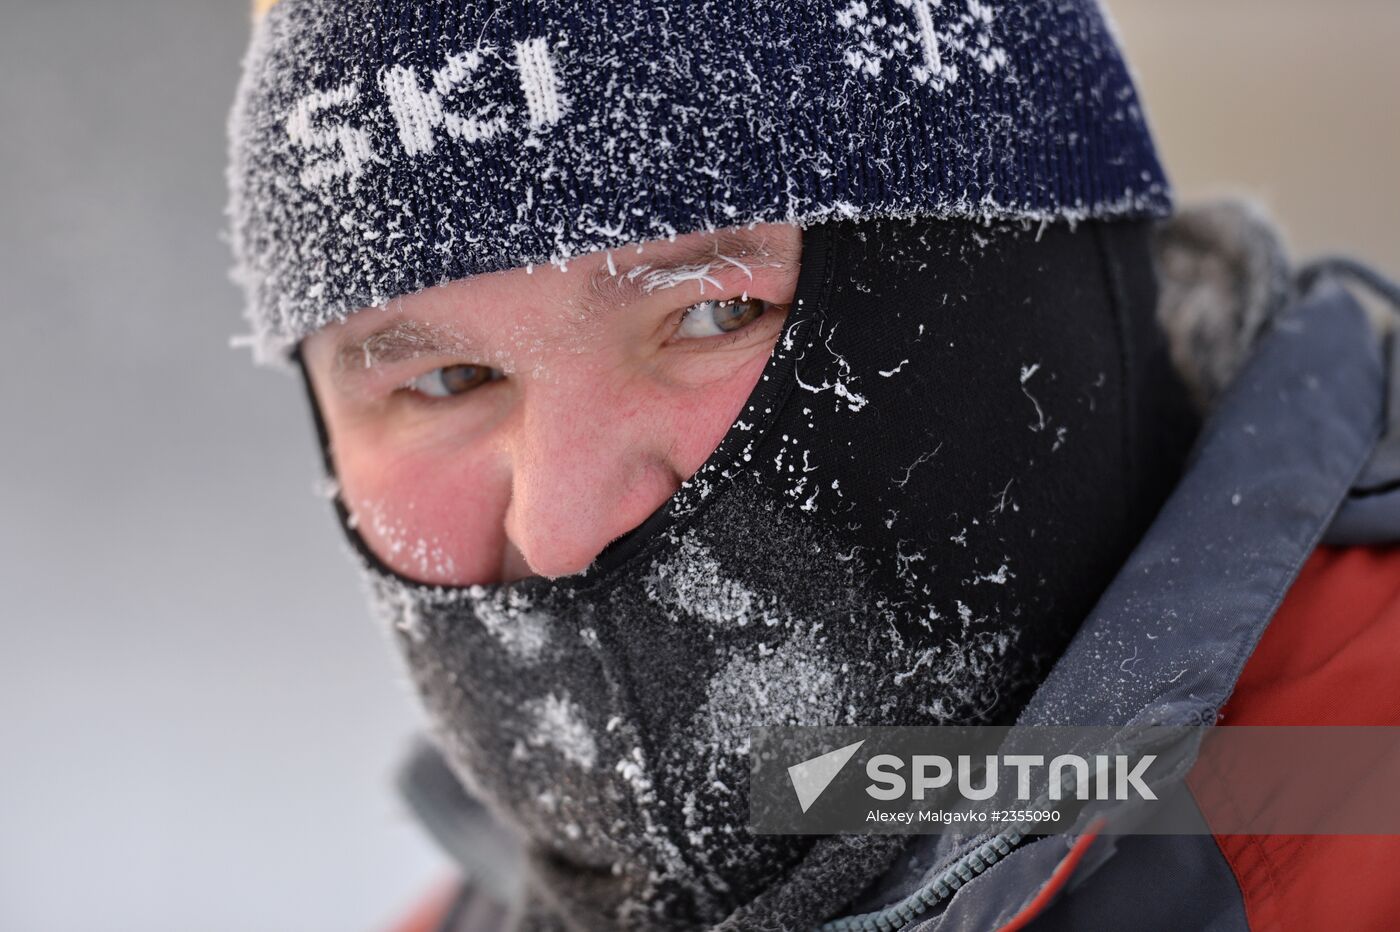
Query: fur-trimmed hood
point(1223, 272)
point(1225, 275)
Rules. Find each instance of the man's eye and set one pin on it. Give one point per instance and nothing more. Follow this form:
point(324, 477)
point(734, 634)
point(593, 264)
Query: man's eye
point(712, 318)
point(447, 381)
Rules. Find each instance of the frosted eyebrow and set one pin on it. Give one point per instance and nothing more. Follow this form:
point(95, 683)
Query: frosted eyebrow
point(396, 342)
point(607, 288)
point(703, 262)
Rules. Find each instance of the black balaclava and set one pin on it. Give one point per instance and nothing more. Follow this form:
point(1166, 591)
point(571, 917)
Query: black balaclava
point(959, 435)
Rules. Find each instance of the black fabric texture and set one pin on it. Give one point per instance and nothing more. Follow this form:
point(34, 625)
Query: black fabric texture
point(960, 434)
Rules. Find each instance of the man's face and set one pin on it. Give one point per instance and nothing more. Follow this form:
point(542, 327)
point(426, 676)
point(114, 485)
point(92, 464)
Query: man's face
point(515, 423)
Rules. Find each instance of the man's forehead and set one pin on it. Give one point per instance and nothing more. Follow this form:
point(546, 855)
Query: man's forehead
point(602, 282)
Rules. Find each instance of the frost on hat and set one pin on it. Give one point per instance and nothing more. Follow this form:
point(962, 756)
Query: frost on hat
point(379, 147)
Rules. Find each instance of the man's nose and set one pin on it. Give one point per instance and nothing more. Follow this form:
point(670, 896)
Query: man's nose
point(590, 462)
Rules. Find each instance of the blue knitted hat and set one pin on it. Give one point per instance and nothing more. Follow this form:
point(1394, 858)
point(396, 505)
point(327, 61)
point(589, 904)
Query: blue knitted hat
point(379, 147)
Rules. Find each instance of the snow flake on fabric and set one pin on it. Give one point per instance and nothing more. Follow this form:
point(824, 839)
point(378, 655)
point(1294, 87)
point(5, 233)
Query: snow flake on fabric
point(926, 39)
point(382, 147)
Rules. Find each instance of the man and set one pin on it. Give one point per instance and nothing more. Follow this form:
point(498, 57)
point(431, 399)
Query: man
point(689, 368)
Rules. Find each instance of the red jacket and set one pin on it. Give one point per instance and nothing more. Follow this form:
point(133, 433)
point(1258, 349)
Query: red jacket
point(1329, 657)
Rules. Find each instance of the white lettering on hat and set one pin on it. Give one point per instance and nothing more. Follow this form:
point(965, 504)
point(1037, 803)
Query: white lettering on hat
point(539, 82)
point(419, 111)
point(305, 130)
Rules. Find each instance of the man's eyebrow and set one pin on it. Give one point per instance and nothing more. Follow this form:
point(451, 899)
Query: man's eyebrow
point(608, 287)
point(396, 342)
point(701, 261)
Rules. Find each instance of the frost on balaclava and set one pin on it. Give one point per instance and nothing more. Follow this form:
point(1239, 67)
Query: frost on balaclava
point(940, 468)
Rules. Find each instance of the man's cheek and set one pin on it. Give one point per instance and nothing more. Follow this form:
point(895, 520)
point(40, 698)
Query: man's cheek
point(700, 417)
point(434, 520)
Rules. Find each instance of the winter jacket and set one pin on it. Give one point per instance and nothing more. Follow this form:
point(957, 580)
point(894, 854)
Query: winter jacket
point(1277, 561)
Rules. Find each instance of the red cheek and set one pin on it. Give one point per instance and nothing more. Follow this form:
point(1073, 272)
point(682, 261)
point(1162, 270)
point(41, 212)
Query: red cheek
point(438, 515)
point(703, 416)
point(434, 518)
